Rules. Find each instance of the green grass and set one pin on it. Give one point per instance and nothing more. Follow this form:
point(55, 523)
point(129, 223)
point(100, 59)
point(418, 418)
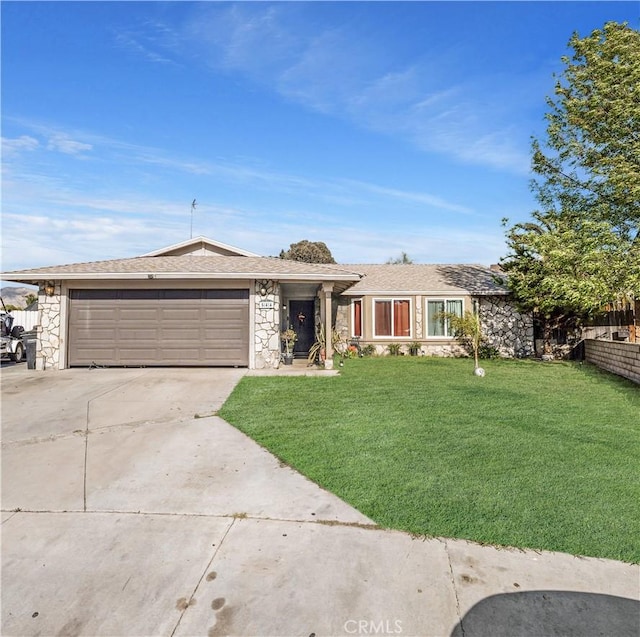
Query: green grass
point(535, 455)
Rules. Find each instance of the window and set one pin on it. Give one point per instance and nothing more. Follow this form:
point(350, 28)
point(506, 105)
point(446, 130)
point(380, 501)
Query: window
point(356, 309)
point(437, 325)
point(392, 317)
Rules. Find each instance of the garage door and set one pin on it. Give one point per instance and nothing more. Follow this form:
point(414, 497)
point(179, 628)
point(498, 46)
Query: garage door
point(159, 327)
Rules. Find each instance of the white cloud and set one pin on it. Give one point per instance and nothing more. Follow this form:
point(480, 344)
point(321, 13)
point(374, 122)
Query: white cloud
point(249, 37)
point(130, 41)
point(64, 144)
point(22, 143)
point(335, 70)
point(415, 197)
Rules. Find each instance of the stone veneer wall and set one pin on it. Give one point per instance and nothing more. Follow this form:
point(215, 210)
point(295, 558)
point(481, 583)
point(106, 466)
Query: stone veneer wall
point(342, 316)
point(48, 340)
point(618, 357)
point(506, 329)
point(267, 327)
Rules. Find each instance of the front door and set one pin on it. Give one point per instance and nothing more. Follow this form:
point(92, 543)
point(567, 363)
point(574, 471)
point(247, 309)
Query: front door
point(301, 319)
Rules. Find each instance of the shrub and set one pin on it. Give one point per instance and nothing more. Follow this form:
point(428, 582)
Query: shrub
point(415, 347)
point(488, 351)
point(350, 352)
point(368, 350)
point(394, 349)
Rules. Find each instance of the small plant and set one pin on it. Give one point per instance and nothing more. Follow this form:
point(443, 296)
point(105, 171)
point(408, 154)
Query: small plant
point(488, 351)
point(415, 348)
point(468, 331)
point(351, 352)
point(289, 338)
point(319, 348)
point(368, 350)
point(394, 349)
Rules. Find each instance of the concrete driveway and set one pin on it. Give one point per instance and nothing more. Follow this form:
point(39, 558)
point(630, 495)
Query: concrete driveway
point(129, 508)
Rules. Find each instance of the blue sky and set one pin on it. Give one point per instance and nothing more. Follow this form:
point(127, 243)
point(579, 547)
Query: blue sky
point(374, 127)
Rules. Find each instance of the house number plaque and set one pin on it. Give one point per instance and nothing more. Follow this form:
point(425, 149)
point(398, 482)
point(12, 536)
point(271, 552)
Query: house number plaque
point(266, 305)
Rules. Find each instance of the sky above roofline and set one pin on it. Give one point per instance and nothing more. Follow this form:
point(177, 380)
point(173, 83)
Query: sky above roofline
point(375, 127)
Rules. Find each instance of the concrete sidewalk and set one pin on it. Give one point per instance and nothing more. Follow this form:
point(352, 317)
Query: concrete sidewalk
point(130, 508)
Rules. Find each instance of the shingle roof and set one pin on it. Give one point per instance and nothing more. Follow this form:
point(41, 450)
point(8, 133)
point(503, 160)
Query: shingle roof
point(425, 278)
point(215, 266)
point(367, 278)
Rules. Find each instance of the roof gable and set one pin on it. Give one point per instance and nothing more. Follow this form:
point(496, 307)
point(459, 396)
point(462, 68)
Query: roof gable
point(200, 246)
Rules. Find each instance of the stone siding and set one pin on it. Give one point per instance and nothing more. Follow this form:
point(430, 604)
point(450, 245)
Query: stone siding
point(267, 327)
point(418, 335)
point(342, 317)
point(506, 329)
point(49, 337)
point(618, 357)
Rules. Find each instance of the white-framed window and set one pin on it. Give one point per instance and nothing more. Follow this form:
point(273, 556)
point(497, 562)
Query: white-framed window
point(356, 318)
point(437, 324)
point(392, 318)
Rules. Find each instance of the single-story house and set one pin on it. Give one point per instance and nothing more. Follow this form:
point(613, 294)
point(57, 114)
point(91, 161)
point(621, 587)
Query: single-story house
point(205, 303)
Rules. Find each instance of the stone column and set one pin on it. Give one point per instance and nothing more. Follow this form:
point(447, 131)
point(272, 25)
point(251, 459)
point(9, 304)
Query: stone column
point(327, 289)
point(48, 341)
point(267, 325)
point(418, 335)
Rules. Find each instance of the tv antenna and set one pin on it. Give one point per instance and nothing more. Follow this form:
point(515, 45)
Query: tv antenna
point(194, 203)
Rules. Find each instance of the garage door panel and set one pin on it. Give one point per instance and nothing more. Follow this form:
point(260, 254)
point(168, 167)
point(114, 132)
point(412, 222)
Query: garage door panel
point(225, 313)
point(231, 334)
point(87, 335)
point(159, 327)
point(181, 354)
point(96, 314)
point(180, 337)
point(138, 314)
point(180, 314)
point(139, 338)
point(99, 355)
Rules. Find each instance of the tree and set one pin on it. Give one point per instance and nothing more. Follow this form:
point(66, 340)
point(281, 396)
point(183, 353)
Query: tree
point(468, 330)
point(566, 269)
point(582, 248)
point(591, 157)
point(30, 298)
point(402, 259)
point(309, 252)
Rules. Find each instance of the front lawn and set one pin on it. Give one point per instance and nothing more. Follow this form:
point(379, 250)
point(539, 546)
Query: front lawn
point(537, 455)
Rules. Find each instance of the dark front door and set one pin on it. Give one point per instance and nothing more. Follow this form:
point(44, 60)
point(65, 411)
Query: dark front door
point(301, 319)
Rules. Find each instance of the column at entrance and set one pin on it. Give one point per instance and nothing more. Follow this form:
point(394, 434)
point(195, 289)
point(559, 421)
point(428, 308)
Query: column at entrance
point(327, 289)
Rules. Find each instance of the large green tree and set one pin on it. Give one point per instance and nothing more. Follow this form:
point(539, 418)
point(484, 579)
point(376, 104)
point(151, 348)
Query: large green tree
point(591, 155)
point(309, 252)
point(566, 268)
point(581, 250)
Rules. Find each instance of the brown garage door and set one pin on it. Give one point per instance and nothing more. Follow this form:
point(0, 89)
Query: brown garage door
point(159, 327)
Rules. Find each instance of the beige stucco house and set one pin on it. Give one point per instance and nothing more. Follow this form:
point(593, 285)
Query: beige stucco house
point(205, 303)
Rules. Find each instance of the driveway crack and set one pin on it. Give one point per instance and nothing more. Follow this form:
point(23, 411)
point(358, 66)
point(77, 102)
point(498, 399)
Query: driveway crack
point(86, 433)
point(86, 453)
point(204, 573)
point(453, 584)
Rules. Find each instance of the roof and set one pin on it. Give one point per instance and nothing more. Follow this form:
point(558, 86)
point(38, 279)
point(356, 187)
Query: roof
point(417, 278)
point(203, 258)
point(179, 267)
